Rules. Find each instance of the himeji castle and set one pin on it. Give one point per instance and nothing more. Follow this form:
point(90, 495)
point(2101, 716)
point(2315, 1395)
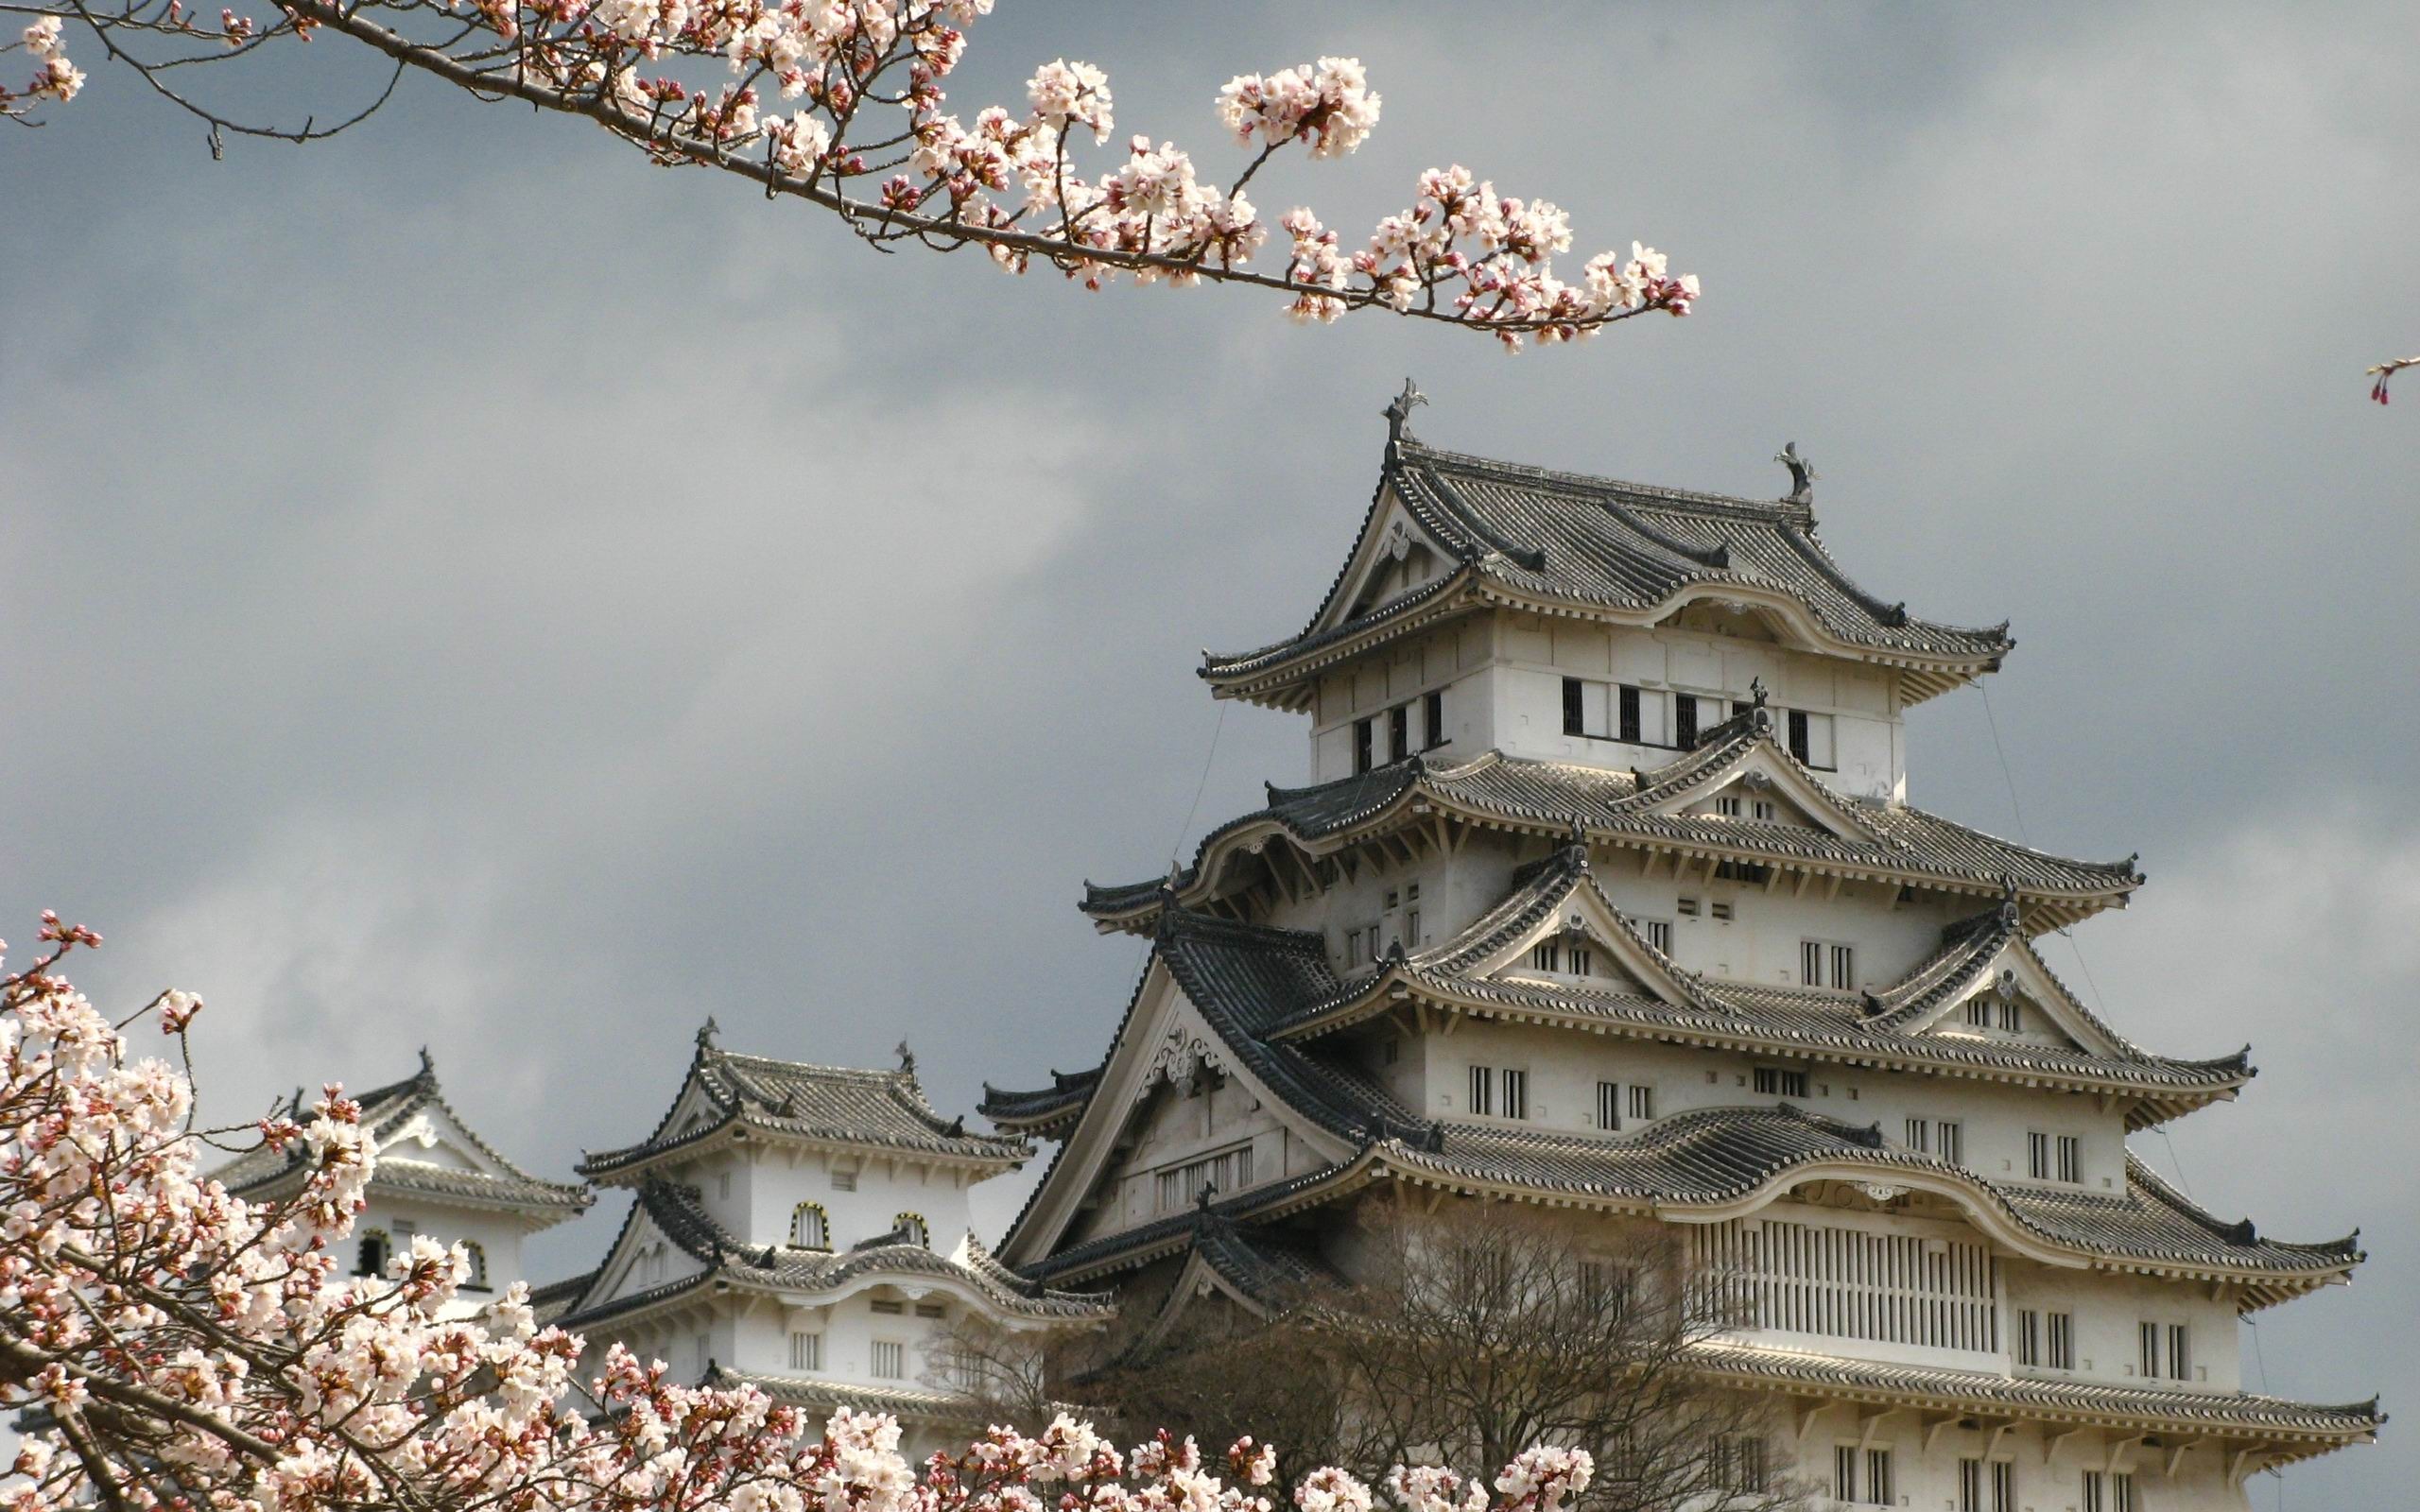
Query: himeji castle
point(1605, 896)
point(434, 1177)
point(783, 1233)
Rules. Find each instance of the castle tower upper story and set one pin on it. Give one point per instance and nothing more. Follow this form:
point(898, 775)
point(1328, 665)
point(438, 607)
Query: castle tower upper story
point(1487, 606)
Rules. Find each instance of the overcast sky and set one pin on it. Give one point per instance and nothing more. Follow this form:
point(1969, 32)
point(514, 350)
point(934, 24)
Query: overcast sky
point(472, 588)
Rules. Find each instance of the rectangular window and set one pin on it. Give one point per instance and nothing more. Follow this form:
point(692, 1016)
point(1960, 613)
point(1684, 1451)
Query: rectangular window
point(1170, 1190)
point(1766, 810)
point(1949, 1142)
point(1738, 1464)
point(2059, 1336)
point(1432, 720)
point(1845, 1473)
point(1582, 960)
point(1658, 933)
point(1920, 1135)
point(2179, 1359)
point(2148, 1361)
point(1574, 694)
point(1721, 911)
point(1547, 956)
point(2096, 1493)
point(1369, 940)
point(1810, 739)
point(1822, 963)
point(1609, 1105)
point(1978, 1012)
point(1686, 907)
point(889, 1360)
point(1362, 736)
point(1642, 1102)
point(2070, 1157)
point(1684, 720)
point(2121, 1492)
point(1399, 732)
point(1483, 1089)
point(2012, 1016)
point(844, 1180)
point(806, 1351)
point(891, 1308)
point(1970, 1485)
point(1773, 1081)
point(1516, 1094)
point(2037, 1155)
point(1411, 928)
point(2029, 1336)
point(1625, 701)
point(1352, 949)
point(1727, 806)
point(2003, 1486)
point(1878, 1487)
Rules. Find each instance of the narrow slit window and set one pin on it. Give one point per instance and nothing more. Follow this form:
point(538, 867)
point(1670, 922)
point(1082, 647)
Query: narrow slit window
point(2037, 1155)
point(2070, 1159)
point(1608, 1106)
point(1658, 933)
point(1516, 1094)
point(1684, 720)
point(2059, 1340)
point(1627, 711)
point(1642, 1102)
point(1432, 720)
point(1483, 1089)
point(1399, 732)
point(1362, 736)
point(1574, 703)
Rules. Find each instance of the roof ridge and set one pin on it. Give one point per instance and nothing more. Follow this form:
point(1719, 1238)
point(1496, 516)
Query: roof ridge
point(1662, 496)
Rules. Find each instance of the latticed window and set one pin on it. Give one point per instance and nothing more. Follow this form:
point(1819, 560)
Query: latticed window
point(2037, 1155)
point(1609, 1105)
point(1642, 1102)
point(889, 1360)
point(1482, 1090)
point(1822, 963)
point(1517, 1093)
point(806, 1351)
point(1773, 1081)
point(2059, 1336)
point(1399, 732)
point(1658, 933)
point(370, 1256)
point(2070, 1157)
point(1855, 1283)
point(1433, 720)
point(1547, 956)
point(1986, 1486)
point(2029, 1336)
point(477, 1254)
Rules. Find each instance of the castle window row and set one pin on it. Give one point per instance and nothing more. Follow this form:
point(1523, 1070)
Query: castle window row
point(1398, 726)
point(1512, 1101)
point(1876, 1487)
point(1943, 1137)
point(1989, 1485)
point(1651, 716)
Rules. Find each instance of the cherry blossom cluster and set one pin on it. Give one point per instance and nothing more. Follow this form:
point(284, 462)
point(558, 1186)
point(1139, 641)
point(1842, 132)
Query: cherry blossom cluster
point(53, 76)
point(841, 103)
point(179, 1347)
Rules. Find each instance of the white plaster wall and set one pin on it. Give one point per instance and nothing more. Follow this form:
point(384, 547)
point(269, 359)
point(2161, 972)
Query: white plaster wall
point(1565, 1066)
point(498, 1233)
point(1503, 674)
point(755, 1197)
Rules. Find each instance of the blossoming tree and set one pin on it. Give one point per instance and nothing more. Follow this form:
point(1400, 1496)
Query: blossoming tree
point(840, 103)
point(172, 1346)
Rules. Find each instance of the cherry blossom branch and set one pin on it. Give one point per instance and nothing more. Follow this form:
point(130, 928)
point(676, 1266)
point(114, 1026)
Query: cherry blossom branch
point(2385, 370)
point(869, 141)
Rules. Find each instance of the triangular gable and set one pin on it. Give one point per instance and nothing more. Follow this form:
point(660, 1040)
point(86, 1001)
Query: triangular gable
point(1165, 1042)
point(1755, 769)
point(2047, 1011)
point(643, 1259)
point(433, 1135)
point(1396, 555)
point(1621, 960)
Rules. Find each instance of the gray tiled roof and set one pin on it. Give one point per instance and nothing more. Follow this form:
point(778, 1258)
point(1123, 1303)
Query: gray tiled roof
point(1818, 1024)
point(882, 1109)
point(1589, 542)
point(677, 1213)
point(1250, 980)
point(1717, 1155)
point(1044, 1110)
point(1276, 1270)
point(1898, 840)
point(261, 1171)
point(2057, 1401)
